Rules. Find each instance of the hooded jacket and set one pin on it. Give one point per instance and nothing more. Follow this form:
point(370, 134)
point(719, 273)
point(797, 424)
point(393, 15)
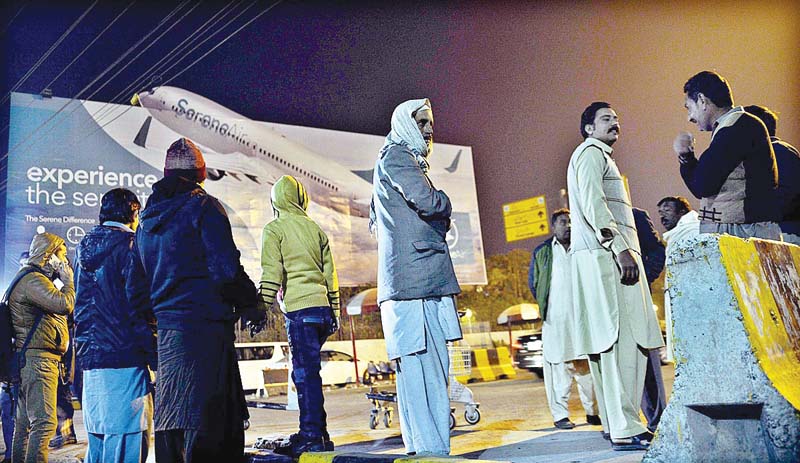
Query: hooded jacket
point(296, 254)
point(185, 256)
point(36, 294)
point(111, 331)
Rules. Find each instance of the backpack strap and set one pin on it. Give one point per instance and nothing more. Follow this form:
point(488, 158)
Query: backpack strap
point(7, 295)
point(14, 282)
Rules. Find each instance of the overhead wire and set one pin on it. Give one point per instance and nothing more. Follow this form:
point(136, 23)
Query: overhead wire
point(153, 71)
point(48, 53)
point(85, 49)
point(228, 37)
point(273, 5)
point(108, 69)
point(11, 21)
point(101, 126)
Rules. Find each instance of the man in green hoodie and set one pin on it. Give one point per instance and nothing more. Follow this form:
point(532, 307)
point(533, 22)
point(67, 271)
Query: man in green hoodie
point(296, 257)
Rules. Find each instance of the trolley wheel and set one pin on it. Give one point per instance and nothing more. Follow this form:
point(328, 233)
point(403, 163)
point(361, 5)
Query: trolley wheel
point(246, 425)
point(452, 421)
point(472, 418)
point(373, 421)
point(387, 419)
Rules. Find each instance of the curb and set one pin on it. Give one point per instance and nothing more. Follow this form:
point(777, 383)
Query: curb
point(359, 457)
point(346, 457)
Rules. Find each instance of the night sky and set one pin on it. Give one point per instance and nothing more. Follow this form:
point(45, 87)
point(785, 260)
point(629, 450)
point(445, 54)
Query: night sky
point(509, 79)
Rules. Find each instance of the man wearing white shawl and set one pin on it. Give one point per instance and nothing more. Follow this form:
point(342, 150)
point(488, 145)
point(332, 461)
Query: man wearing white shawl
point(416, 281)
point(681, 222)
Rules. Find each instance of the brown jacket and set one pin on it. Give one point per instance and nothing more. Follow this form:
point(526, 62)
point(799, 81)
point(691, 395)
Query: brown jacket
point(36, 294)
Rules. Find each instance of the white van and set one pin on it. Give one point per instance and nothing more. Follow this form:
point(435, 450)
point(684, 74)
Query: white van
point(254, 357)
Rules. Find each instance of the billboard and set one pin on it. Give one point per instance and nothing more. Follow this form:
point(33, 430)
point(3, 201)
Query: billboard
point(64, 154)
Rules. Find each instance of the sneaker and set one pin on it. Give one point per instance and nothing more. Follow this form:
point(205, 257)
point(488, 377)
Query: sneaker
point(564, 423)
point(637, 442)
point(594, 420)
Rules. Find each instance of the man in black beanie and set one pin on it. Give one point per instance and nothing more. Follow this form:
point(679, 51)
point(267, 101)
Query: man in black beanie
point(187, 259)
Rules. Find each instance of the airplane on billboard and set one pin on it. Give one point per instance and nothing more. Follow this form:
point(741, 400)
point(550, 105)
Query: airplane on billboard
point(231, 142)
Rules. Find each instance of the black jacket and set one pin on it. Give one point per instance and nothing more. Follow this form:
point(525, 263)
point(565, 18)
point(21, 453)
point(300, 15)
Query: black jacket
point(111, 330)
point(188, 260)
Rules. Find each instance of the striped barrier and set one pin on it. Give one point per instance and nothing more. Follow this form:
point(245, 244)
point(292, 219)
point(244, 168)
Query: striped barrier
point(736, 334)
point(481, 368)
point(500, 359)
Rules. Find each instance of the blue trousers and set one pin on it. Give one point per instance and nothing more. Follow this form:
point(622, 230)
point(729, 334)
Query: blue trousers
point(422, 398)
point(307, 330)
point(118, 448)
point(7, 416)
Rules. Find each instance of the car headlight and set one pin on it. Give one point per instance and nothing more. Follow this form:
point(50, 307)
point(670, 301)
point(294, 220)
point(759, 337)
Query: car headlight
point(534, 345)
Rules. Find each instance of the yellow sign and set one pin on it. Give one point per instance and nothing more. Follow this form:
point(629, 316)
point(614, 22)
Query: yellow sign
point(526, 219)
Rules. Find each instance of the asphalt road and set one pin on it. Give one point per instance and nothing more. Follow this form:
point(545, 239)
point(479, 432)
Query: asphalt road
point(515, 426)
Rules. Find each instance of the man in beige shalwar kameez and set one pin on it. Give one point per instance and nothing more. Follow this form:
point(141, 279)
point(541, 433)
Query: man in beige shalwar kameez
point(614, 319)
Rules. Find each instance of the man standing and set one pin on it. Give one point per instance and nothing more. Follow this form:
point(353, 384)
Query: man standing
point(550, 282)
point(115, 337)
point(39, 313)
point(614, 319)
point(654, 398)
point(788, 161)
point(681, 222)
point(416, 281)
point(190, 267)
point(736, 176)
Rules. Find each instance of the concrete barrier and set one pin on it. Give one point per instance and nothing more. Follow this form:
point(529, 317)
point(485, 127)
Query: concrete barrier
point(736, 338)
point(481, 368)
point(500, 359)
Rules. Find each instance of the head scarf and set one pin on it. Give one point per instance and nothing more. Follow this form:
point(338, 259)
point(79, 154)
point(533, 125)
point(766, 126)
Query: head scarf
point(406, 132)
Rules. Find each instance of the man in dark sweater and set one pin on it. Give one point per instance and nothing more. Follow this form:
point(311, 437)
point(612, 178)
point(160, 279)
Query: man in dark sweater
point(788, 160)
point(736, 177)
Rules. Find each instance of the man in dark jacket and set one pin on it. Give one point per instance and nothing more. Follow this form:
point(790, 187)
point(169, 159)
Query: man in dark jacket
point(115, 337)
point(788, 161)
point(190, 267)
point(736, 176)
point(654, 399)
point(416, 280)
point(39, 309)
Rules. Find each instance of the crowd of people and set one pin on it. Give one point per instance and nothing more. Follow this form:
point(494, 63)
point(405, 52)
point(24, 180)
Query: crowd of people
point(156, 292)
point(592, 279)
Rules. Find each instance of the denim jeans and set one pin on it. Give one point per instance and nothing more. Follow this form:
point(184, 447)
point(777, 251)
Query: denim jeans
point(7, 416)
point(307, 329)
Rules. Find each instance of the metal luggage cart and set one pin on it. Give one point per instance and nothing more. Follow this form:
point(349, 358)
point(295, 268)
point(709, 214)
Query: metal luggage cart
point(460, 365)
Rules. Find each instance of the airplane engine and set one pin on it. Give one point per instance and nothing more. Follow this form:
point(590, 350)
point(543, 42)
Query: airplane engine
point(215, 174)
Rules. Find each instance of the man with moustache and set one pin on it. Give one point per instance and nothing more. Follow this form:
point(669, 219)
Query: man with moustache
point(614, 319)
point(681, 222)
point(736, 176)
point(416, 281)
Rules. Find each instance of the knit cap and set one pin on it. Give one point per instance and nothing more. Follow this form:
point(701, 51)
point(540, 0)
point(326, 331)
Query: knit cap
point(184, 158)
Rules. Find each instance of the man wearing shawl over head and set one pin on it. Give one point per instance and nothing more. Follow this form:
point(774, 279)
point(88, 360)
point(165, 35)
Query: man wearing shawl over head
point(416, 281)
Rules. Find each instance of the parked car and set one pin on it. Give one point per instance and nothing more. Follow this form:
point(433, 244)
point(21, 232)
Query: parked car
point(336, 368)
point(529, 353)
point(254, 357)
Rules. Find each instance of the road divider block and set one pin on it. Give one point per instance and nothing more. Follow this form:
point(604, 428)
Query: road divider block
point(500, 359)
point(736, 335)
point(481, 368)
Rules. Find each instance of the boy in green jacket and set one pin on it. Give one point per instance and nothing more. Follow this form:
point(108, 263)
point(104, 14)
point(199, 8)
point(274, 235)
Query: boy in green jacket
point(296, 257)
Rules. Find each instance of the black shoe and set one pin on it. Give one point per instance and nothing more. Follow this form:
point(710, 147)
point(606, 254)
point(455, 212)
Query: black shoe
point(299, 445)
point(594, 420)
point(328, 445)
point(564, 423)
point(637, 442)
point(606, 435)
